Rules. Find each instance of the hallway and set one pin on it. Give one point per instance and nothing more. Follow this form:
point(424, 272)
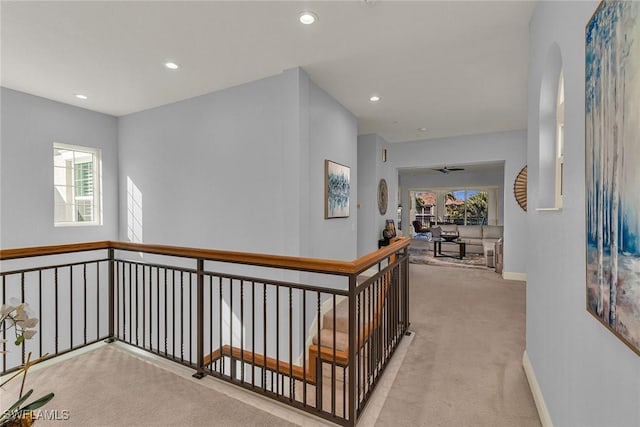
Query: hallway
point(464, 366)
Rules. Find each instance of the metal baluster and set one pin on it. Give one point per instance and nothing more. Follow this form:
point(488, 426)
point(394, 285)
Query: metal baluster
point(57, 336)
point(84, 283)
point(242, 330)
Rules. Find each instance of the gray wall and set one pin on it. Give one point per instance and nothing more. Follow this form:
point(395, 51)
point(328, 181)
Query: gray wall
point(587, 376)
point(371, 169)
point(509, 147)
point(462, 179)
point(333, 134)
point(241, 169)
point(30, 126)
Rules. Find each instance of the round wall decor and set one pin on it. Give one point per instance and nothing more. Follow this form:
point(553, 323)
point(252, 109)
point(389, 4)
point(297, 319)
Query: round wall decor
point(520, 188)
point(383, 196)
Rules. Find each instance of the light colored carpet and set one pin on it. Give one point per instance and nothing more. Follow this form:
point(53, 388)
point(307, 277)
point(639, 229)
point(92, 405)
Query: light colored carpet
point(111, 387)
point(464, 366)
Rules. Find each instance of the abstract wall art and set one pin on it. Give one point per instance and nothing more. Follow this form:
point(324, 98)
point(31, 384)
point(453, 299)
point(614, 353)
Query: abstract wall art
point(612, 142)
point(337, 190)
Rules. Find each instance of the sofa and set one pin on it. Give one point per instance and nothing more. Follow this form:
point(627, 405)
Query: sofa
point(480, 239)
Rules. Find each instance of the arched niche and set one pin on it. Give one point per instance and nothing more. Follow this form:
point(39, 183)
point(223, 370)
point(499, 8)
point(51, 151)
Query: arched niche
point(548, 132)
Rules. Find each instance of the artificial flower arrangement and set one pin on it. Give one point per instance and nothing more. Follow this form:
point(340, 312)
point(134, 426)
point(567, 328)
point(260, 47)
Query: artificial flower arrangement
point(16, 317)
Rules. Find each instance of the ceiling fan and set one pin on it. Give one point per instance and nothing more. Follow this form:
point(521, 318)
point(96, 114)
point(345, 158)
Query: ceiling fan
point(446, 170)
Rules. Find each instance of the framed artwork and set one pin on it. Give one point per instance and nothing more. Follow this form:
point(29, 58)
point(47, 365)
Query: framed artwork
point(337, 188)
point(612, 143)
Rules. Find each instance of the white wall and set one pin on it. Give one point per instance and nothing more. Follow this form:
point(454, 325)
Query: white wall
point(509, 147)
point(241, 169)
point(588, 377)
point(30, 126)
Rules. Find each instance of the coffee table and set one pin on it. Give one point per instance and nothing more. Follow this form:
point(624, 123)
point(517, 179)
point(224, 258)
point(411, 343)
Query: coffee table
point(437, 247)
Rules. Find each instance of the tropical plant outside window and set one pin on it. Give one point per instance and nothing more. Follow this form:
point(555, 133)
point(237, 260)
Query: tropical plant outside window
point(468, 207)
point(463, 206)
point(76, 180)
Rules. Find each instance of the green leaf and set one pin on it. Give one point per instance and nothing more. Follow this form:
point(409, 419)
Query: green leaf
point(19, 340)
point(38, 403)
point(20, 401)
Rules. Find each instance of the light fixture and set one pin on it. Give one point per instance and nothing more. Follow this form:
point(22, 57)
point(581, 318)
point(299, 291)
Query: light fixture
point(374, 98)
point(308, 18)
point(81, 96)
point(422, 129)
point(171, 65)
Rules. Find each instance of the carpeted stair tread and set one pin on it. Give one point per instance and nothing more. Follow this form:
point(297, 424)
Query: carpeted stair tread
point(326, 337)
point(341, 315)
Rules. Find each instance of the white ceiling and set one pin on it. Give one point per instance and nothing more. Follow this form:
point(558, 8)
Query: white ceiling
point(468, 168)
point(454, 67)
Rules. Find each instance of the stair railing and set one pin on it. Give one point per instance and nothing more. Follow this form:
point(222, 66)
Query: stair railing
point(241, 317)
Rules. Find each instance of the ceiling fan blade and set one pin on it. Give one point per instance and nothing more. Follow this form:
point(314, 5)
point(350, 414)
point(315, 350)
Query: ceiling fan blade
point(455, 169)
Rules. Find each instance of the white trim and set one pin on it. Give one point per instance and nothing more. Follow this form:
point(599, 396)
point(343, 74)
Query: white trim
point(548, 209)
point(510, 275)
point(538, 398)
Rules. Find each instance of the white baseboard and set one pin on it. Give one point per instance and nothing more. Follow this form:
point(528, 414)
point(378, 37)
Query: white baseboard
point(541, 406)
point(509, 275)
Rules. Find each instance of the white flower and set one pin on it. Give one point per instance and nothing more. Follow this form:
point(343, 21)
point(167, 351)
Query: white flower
point(30, 322)
point(6, 309)
point(28, 334)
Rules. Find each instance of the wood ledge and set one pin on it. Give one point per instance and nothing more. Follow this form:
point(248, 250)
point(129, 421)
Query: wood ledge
point(297, 263)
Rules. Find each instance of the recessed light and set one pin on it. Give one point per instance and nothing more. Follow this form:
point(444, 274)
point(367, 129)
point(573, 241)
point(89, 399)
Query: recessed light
point(171, 65)
point(422, 129)
point(374, 98)
point(81, 96)
point(308, 18)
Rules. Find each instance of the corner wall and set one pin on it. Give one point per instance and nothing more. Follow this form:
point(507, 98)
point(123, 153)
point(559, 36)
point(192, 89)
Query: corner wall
point(587, 376)
point(371, 169)
point(241, 169)
point(30, 126)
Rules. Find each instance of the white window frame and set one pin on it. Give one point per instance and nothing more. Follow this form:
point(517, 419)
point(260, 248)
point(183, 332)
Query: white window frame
point(97, 186)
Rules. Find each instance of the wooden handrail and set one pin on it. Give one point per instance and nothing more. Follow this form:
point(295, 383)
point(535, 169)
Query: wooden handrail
point(6, 254)
point(278, 261)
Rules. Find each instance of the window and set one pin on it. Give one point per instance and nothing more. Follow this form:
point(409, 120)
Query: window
point(560, 142)
point(76, 181)
point(425, 208)
point(463, 206)
point(468, 207)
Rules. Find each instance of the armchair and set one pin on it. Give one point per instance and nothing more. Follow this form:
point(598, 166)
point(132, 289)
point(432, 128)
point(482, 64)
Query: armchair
point(417, 227)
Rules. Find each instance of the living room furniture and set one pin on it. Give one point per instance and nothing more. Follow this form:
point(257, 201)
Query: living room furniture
point(437, 247)
point(417, 227)
point(499, 256)
point(479, 239)
point(475, 235)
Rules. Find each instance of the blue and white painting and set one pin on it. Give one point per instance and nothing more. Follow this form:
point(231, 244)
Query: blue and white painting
point(612, 133)
point(338, 188)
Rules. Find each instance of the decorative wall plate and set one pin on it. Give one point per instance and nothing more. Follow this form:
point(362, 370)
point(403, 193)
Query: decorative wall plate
point(383, 196)
point(520, 188)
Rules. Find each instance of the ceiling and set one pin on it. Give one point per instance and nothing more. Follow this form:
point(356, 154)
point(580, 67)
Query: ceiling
point(452, 67)
point(469, 168)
